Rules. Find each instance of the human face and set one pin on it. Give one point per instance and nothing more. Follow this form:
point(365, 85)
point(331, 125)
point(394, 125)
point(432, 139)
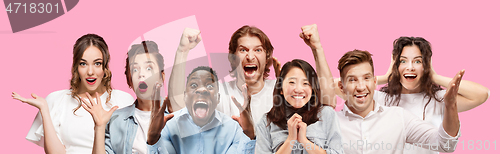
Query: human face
point(253, 58)
point(296, 88)
point(145, 74)
point(201, 96)
point(411, 69)
point(358, 86)
point(91, 71)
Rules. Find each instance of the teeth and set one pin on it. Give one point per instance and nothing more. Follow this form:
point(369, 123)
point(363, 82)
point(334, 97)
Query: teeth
point(298, 96)
point(200, 102)
point(91, 80)
point(251, 66)
point(361, 95)
point(410, 75)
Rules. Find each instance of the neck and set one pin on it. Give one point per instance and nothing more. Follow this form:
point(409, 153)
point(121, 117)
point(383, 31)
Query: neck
point(411, 91)
point(252, 87)
point(144, 105)
point(363, 113)
point(82, 91)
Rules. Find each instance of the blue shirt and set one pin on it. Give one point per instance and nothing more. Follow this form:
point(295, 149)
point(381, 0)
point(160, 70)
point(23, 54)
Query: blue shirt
point(121, 130)
point(221, 135)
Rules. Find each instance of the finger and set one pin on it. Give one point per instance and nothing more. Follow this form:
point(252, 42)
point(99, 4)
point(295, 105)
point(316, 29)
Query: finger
point(98, 98)
point(34, 95)
point(18, 97)
point(164, 106)
point(90, 98)
point(113, 109)
point(156, 104)
point(238, 105)
point(89, 105)
point(168, 117)
point(236, 118)
point(87, 108)
point(198, 38)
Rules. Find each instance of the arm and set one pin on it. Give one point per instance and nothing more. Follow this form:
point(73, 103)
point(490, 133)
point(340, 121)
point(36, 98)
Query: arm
point(245, 120)
point(385, 78)
point(176, 84)
point(101, 118)
point(52, 143)
point(158, 117)
point(304, 141)
point(291, 140)
point(445, 138)
point(326, 81)
point(263, 143)
point(470, 94)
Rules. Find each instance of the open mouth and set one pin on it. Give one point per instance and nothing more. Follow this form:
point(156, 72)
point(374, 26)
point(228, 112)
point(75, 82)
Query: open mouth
point(200, 109)
point(91, 80)
point(143, 87)
point(410, 77)
point(298, 97)
point(361, 97)
point(250, 69)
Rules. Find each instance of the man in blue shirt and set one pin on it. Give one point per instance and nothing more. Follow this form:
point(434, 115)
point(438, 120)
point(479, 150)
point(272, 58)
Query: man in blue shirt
point(199, 128)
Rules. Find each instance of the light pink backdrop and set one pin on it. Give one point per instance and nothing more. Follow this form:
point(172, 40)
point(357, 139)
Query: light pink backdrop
point(464, 35)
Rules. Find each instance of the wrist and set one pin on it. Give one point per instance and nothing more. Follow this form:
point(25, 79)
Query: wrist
point(99, 127)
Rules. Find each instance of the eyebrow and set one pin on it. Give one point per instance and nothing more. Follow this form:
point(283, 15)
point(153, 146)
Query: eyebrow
point(414, 58)
point(147, 62)
point(94, 60)
point(248, 47)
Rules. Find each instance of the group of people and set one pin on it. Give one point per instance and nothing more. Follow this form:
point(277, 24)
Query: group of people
point(293, 113)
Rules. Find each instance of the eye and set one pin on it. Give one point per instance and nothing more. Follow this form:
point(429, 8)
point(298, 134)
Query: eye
point(83, 64)
point(403, 61)
point(193, 85)
point(292, 82)
point(258, 50)
point(306, 83)
point(149, 68)
point(135, 70)
point(351, 80)
point(98, 64)
point(243, 50)
point(418, 62)
point(210, 86)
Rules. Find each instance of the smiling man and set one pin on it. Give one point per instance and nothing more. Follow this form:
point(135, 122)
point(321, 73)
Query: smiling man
point(199, 128)
point(368, 127)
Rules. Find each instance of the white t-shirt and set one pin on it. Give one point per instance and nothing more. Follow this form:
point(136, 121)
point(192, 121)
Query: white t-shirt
point(415, 103)
point(260, 103)
point(76, 132)
point(143, 120)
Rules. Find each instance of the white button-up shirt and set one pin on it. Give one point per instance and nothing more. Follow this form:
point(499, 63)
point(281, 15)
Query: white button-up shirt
point(387, 129)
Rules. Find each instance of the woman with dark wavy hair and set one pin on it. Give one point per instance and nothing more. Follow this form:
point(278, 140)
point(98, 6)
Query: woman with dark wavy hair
point(413, 84)
point(297, 112)
point(61, 125)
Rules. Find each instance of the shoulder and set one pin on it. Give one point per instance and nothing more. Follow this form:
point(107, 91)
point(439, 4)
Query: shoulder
point(59, 94)
point(124, 111)
point(327, 112)
point(121, 98)
point(270, 83)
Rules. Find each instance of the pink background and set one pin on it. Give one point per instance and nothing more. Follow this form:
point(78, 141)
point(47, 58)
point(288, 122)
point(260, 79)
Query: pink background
point(464, 35)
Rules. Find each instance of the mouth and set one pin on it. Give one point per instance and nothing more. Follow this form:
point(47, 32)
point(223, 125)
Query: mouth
point(250, 70)
point(410, 77)
point(91, 80)
point(200, 109)
point(298, 97)
point(361, 97)
point(143, 87)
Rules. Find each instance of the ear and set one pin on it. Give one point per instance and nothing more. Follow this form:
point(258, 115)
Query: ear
point(375, 78)
point(163, 76)
point(218, 99)
point(341, 87)
point(185, 97)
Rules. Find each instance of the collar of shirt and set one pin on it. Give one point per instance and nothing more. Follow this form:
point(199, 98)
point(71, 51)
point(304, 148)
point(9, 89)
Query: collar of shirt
point(347, 112)
point(131, 112)
point(185, 122)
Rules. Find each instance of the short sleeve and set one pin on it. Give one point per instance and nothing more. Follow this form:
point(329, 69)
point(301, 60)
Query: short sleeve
point(55, 102)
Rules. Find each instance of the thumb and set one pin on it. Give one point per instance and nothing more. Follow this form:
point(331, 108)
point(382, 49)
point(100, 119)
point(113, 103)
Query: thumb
point(34, 95)
point(168, 117)
point(235, 118)
point(113, 109)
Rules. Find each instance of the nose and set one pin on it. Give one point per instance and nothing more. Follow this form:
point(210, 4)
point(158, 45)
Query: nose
point(141, 73)
point(298, 89)
point(90, 71)
point(361, 85)
point(410, 67)
point(202, 90)
point(250, 55)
